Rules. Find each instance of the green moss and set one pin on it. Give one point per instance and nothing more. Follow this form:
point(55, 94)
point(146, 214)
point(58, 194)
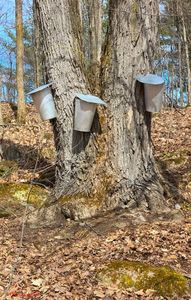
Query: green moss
point(7, 167)
point(4, 213)
point(48, 152)
point(186, 206)
point(12, 193)
point(176, 157)
point(165, 281)
point(135, 7)
point(96, 198)
point(83, 199)
point(134, 20)
point(48, 136)
point(154, 115)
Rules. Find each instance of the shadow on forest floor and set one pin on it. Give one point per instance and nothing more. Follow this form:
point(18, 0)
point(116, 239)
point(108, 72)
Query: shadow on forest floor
point(177, 178)
point(26, 157)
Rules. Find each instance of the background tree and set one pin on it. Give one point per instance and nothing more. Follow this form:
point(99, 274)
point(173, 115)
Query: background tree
point(113, 166)
point(38, 54)
point(175, 41)
point(9, 70)
point(21, 112)
point(1, 116)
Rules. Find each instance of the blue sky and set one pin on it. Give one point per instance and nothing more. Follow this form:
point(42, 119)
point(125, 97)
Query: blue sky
point(7, 8)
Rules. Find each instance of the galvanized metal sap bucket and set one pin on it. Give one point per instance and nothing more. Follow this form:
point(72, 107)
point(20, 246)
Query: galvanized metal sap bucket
point(85, 107)
point(153, 91)
point(43, 101)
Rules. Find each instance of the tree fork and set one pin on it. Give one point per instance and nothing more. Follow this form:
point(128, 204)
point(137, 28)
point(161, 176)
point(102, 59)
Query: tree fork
point(113, 166)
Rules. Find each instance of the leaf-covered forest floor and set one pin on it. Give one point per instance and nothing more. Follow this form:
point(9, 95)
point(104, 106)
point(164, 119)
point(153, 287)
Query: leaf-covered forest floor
point(63, 262)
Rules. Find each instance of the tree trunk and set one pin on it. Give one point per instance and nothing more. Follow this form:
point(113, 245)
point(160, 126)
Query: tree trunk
point(185, 39)
point(113, 165)
point(95, 37)
point(1, 98)
point(180, 54)
point(1, 116)
point(37, 48)
point(21, 113)
point(1, 120)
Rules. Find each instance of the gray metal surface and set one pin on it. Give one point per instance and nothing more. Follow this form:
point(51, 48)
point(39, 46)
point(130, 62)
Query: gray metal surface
point(44, 102)
point(153, 97)
point(150, 79)
point(91, 99)
point(40, 88)
point(84, 115)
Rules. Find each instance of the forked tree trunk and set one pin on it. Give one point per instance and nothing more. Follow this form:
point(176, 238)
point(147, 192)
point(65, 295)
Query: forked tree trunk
point(112, 166)
point(21, 113)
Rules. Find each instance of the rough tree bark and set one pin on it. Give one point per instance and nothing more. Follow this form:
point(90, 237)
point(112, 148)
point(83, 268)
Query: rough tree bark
point(180, 53)
point(21, 113)
point(37, 50)
point(186, 47)
point(1, 116)
point(95, 38)
point(1, 119)
point(113, 166)
point(1, 98)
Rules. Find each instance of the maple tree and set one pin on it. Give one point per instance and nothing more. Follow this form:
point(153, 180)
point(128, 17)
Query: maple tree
point(113, 166)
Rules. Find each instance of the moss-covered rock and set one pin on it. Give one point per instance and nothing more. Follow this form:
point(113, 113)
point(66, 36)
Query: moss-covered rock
point(15, 196)
point(7, 167)
point(163, 280)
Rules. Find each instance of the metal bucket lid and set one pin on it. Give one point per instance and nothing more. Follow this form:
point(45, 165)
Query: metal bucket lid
point(150, 79)
point(40, 88)
point(91, 99)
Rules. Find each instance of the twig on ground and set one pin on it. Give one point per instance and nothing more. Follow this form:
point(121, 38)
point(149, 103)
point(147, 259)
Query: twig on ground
point(92, 229)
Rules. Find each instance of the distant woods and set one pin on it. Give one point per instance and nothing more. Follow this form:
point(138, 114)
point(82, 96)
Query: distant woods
point(174, 61)
point(22, 63)
point(17, 63)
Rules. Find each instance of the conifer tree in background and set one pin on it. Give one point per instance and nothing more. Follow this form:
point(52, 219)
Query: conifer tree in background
point(21, 112)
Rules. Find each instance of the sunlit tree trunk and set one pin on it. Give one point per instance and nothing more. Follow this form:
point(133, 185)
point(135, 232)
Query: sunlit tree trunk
point(1, 119)
point(95, 33)
point(37, 48)
point(186, 47)
point(1, 97)
point(113, 165)
point(180, 63)
point(21, 113)
point(1, 115)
